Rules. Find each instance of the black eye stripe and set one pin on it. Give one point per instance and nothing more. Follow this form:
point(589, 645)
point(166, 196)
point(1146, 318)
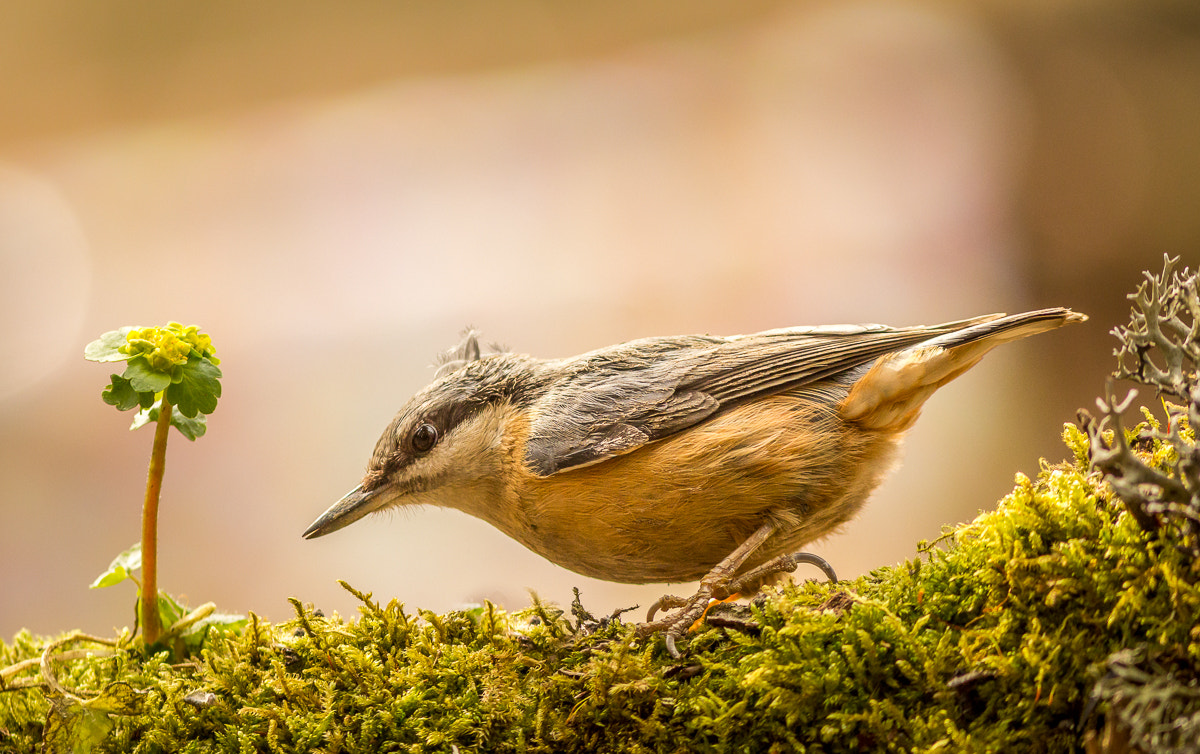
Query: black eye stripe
point(440, 421)
point(424, 437)
point(457, 398)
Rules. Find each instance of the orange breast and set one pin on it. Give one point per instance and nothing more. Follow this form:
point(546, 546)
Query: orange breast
point(672, 509)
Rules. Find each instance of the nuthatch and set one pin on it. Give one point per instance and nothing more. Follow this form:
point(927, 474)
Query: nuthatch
point(673, 459)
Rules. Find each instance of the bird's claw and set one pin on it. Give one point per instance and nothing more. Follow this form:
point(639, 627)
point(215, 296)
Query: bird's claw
point(665, 602)
point(717, 588)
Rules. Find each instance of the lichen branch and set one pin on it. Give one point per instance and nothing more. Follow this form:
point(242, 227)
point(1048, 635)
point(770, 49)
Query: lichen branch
point(1160, 348)
point(1165, 320)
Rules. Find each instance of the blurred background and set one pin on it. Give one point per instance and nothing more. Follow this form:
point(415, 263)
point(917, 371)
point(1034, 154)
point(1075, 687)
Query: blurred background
point(333, 191)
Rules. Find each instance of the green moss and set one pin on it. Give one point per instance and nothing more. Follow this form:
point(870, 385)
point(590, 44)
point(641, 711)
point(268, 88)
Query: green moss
point(994, 640)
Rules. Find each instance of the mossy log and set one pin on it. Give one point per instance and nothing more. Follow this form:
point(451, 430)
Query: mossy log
point(1029, 629)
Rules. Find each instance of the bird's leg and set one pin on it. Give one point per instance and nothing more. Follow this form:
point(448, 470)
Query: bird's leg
point(719, 584)
point(713, 586)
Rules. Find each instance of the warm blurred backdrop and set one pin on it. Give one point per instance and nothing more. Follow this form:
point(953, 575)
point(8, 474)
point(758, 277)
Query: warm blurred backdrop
point(334, 190)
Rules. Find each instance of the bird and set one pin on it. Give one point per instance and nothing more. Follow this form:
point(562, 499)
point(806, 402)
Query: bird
point(672, 459)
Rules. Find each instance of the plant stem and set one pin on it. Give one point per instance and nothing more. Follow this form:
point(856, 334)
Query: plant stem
point(151, 625)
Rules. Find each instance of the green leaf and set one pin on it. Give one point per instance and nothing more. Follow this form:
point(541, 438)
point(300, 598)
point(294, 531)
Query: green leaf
point(78, 728)
point(195, 636)
point(198, 387)
point(169, 609)
point(121, 568)
point(189, 428)
point(222, 621)
point(145, 379)
point(105, 347)
point(118, 698)
point(73, 728)
point(120, 394)
point(144, 417)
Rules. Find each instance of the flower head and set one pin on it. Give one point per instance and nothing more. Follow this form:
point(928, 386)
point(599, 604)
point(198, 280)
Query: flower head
point(167, 347)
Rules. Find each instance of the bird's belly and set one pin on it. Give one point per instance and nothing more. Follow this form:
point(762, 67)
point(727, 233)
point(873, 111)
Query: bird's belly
point(672, 510)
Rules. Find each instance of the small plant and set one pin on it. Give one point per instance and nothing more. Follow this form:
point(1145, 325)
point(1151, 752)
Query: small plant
point(171, 376)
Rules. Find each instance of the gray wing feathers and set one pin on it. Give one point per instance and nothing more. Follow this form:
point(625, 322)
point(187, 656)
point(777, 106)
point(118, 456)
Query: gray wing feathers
point(754, 365)
point(599, 421)
point(617, 399)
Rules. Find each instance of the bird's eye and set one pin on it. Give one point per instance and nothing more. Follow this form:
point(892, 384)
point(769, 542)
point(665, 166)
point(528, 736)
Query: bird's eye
point(424, 437)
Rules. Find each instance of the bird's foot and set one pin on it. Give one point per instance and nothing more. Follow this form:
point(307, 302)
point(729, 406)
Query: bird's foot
point(719, 587)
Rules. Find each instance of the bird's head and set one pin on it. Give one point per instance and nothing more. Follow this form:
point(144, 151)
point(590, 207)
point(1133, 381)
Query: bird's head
point(444, 447)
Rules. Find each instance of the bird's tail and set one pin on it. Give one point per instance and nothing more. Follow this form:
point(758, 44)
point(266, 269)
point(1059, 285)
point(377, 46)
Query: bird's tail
point(891, 393)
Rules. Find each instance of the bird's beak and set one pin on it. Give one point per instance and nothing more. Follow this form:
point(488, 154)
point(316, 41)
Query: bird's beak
point(344, 512)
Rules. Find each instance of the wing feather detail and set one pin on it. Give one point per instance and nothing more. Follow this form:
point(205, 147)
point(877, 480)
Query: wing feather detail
point(615, 400)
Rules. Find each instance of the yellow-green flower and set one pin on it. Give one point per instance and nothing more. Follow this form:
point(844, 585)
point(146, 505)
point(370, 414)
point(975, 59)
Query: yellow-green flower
point(198, 340)
point(167, 347)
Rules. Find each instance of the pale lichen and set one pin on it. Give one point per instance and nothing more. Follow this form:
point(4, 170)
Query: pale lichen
point(1159, 348)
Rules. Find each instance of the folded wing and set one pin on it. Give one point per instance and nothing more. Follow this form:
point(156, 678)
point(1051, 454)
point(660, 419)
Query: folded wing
point(616, 400)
